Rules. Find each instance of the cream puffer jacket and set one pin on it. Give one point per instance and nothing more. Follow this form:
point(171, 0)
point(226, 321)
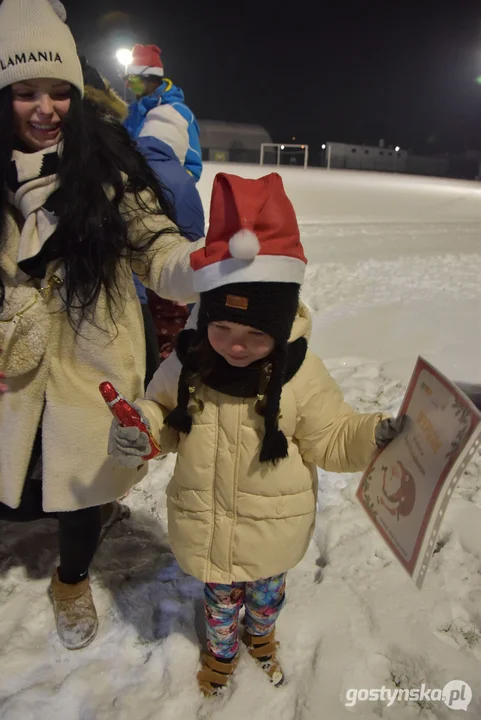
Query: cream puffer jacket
point(230, 517)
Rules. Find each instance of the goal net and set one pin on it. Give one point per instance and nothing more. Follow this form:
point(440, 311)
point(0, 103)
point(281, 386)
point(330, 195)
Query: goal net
point(284, 154)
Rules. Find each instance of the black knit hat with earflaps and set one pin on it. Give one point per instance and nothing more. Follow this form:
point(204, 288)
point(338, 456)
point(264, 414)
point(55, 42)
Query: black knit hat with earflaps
point(269, 307)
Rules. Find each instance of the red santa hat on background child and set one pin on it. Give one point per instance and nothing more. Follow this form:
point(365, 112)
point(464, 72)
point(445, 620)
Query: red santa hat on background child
point(146, 60)
point(250, 271)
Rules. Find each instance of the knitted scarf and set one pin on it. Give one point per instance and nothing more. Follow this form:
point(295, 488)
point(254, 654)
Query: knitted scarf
point(34, 191)
point(263, 379)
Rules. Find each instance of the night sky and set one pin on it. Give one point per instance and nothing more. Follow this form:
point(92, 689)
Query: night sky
point(351, 71)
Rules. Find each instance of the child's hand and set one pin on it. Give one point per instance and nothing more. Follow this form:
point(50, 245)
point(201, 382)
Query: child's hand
point(128, 445)
point(388, 429)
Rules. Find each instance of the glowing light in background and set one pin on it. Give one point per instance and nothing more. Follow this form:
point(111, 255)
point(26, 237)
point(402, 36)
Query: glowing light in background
point(124, 56)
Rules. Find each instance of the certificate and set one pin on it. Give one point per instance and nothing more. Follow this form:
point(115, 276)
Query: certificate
point(406, 488)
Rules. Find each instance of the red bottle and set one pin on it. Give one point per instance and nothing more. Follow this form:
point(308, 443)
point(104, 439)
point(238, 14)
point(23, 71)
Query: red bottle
point(127, 415)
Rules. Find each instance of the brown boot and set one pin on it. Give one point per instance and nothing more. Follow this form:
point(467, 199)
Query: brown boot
point(75, 613)
point(214, 675)
point(263, 649)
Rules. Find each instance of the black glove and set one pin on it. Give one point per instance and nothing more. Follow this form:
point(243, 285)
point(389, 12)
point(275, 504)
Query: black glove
point(388, 429)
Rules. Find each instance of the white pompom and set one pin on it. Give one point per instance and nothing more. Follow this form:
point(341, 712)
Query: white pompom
point(59, 9)
point(244, 245)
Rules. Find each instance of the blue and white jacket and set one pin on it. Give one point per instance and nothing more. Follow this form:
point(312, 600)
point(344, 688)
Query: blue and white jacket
point(180, 191)
point(179, 187)
point(164, 116)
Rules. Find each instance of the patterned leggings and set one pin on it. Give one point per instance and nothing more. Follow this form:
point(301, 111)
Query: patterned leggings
point(263, 600)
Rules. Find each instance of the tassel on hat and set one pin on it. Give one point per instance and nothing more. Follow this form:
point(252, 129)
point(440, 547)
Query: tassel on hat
point(36, 43)
point(274, 443)
point(180, 419)
point(250, 272)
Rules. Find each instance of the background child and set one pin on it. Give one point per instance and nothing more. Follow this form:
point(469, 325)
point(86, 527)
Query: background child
point(251, 413)
point(168, 135)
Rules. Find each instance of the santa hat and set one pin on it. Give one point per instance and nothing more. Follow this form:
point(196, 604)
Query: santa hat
point(250, 272)
point(146, 60)
point(253, 235)
point(36, 43)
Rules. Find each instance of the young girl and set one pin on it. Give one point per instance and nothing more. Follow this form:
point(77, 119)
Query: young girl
point(251, 413)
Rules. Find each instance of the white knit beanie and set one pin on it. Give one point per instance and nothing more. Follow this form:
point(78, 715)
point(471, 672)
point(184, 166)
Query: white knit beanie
point(36, 43)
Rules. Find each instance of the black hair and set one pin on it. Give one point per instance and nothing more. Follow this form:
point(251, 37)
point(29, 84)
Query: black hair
point(92, 233)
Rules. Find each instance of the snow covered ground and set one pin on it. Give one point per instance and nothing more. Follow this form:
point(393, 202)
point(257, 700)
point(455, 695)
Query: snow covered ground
point(394, 272)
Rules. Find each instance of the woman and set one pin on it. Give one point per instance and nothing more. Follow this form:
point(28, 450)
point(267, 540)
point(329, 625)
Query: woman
point(79, 211)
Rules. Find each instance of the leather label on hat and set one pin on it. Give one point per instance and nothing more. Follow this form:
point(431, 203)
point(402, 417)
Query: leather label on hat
point(235, 301)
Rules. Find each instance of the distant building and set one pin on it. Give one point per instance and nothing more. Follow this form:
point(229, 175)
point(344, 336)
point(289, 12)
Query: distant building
point(364, 157)
point(432, 165)
point(387, 159)
point(466, 166)
point(232, 142)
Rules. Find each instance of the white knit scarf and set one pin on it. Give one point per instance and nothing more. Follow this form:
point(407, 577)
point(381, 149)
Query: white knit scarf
point(31, 184)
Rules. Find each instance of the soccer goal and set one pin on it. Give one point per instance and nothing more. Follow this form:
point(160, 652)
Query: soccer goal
point(284, 154)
